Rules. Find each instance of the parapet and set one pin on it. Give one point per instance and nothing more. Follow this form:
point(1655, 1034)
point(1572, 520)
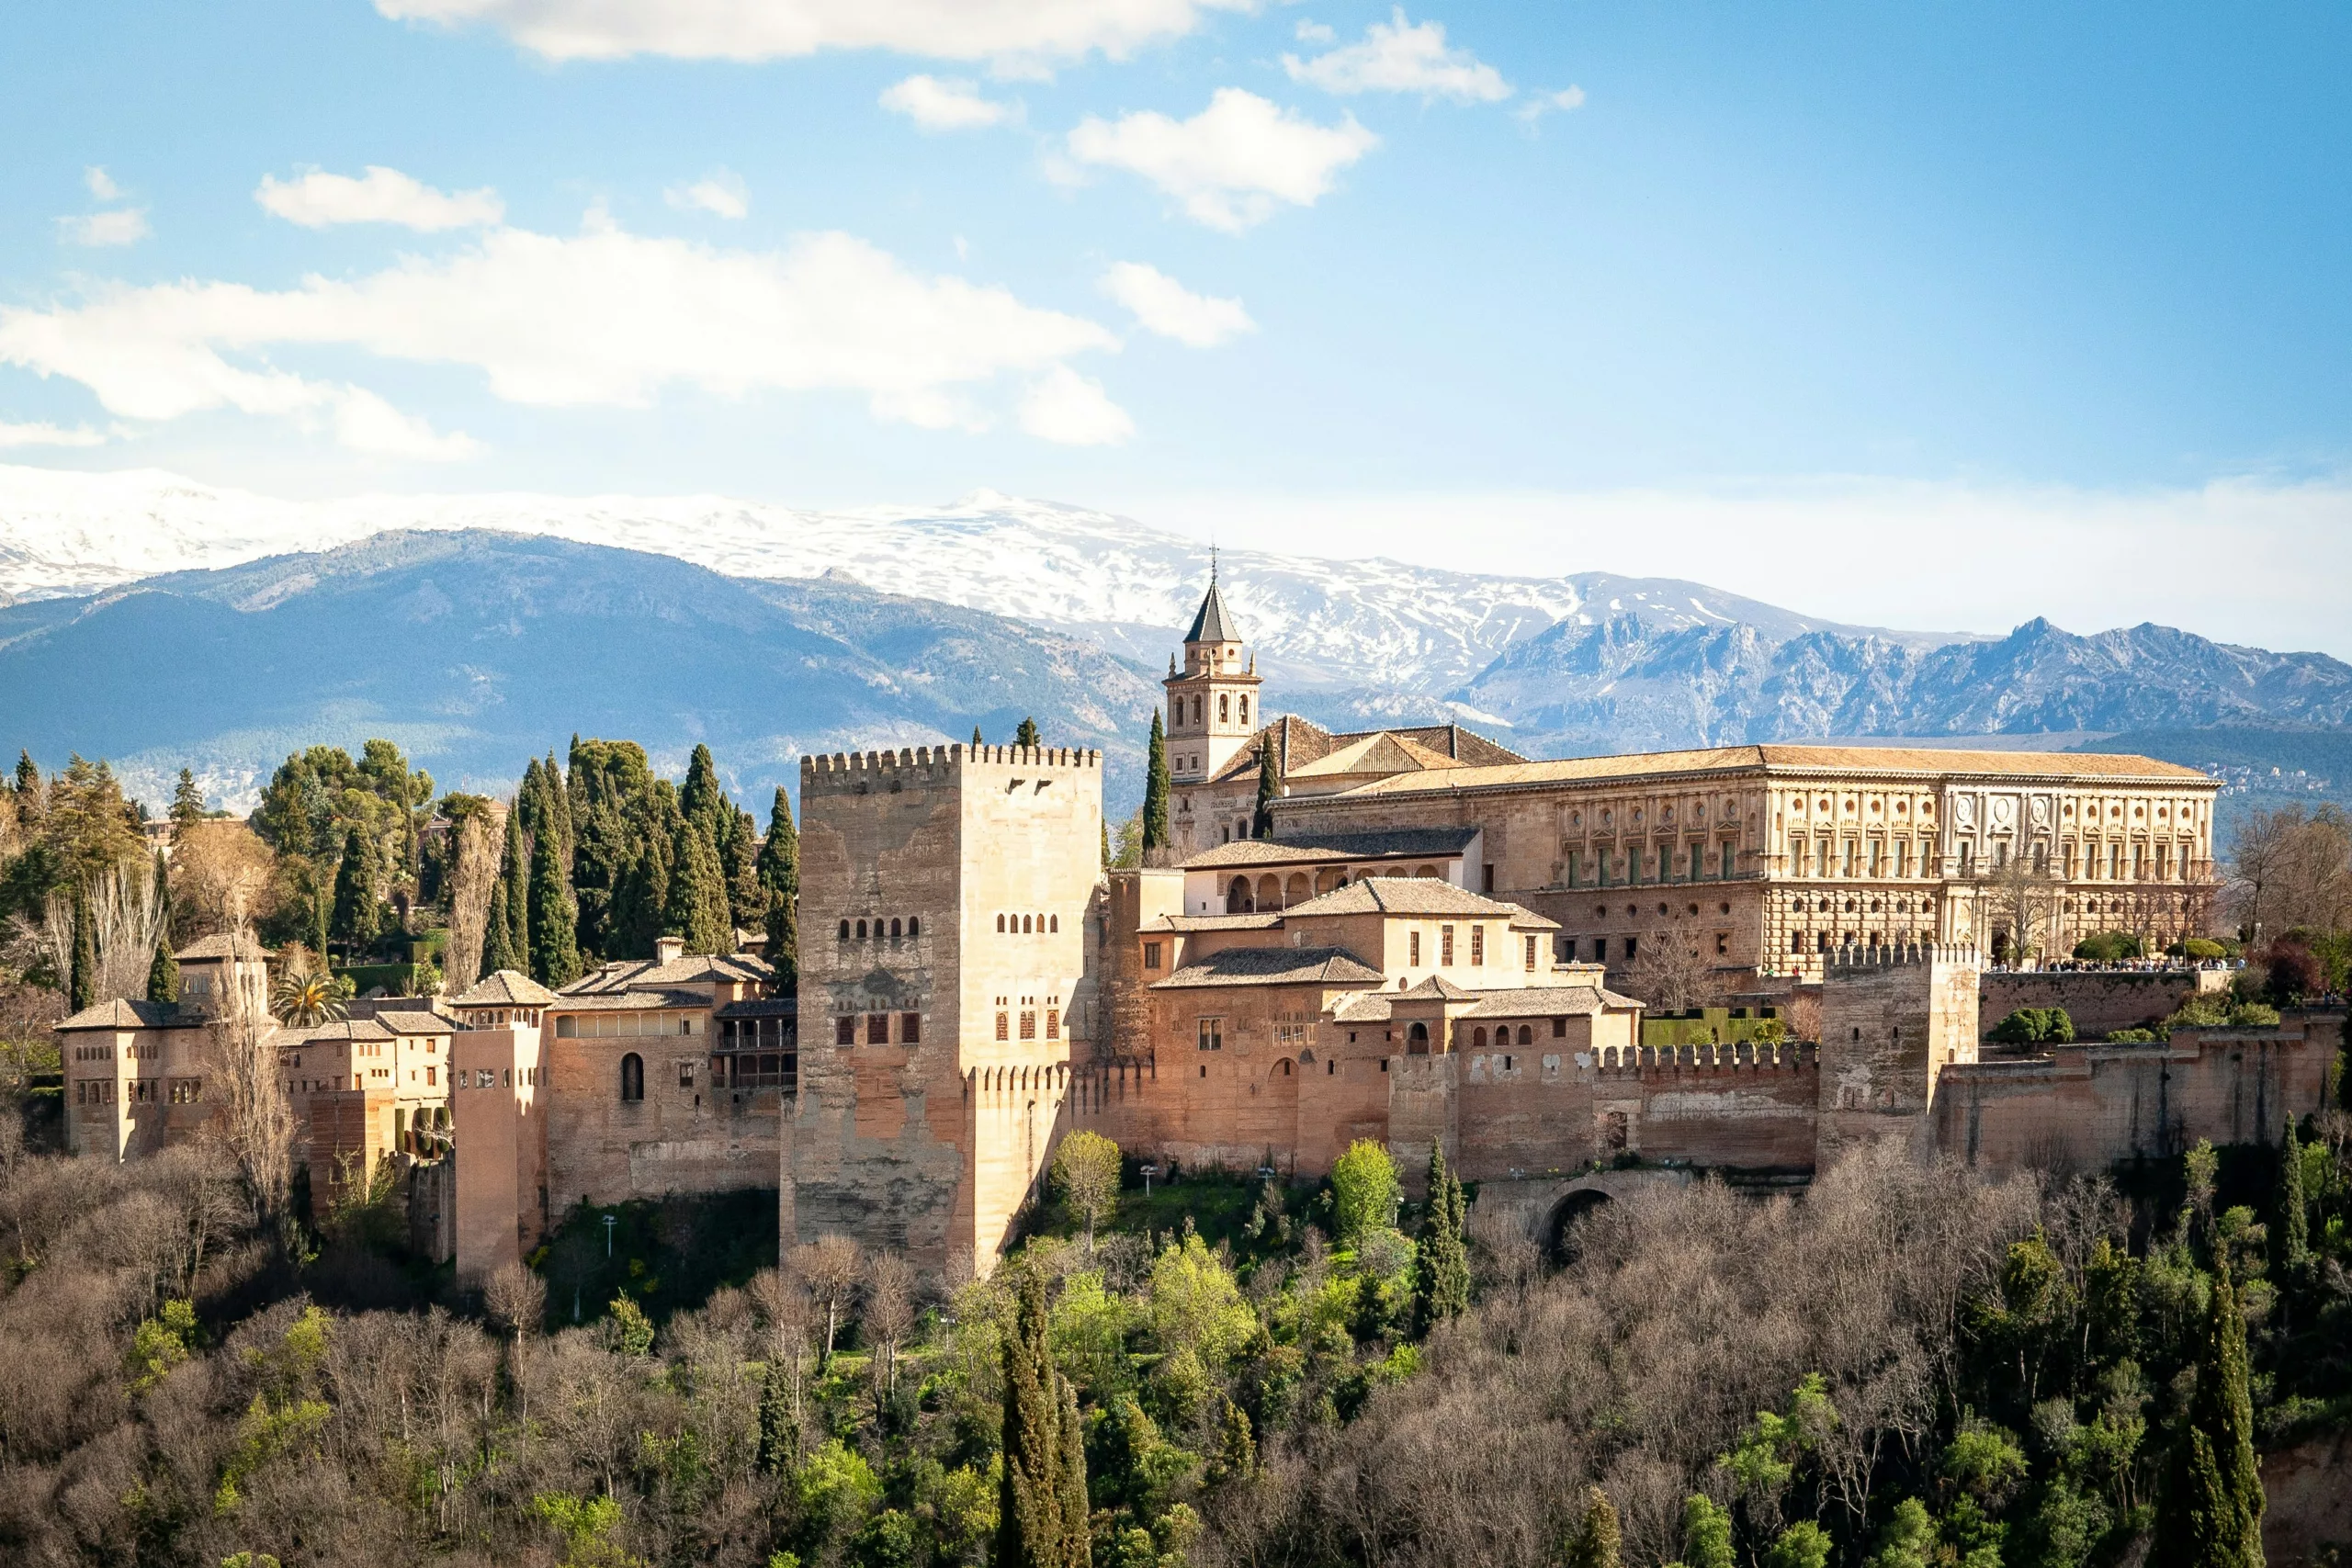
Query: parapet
point(1888, 955)
point(850, 770)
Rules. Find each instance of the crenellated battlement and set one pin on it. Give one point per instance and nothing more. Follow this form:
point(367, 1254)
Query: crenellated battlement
point(1887, 955)
point(850, 772)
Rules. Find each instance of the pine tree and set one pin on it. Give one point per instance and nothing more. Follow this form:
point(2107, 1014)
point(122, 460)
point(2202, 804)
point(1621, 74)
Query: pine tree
point(2208, 1508)
point(82, 979)
point(354, 892)
point(778, 1436)
point(29, 775)
point(1270, 789)
point(1594, 1542)
point(1027, 734)
point(1042, 1504)
point(1441, 1264)
point(163, 974)
point(510, 904)
point(779, 871)
point(1155, 791)
point(701, 799)
point(2295, 1219)
point(187, 802)
point(696, 908)
point(555, 951)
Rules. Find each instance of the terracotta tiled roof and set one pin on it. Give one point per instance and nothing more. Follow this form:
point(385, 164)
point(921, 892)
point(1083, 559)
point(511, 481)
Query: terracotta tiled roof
point(1545, 1001)
point(766, 1006)
point(1908, 760)
point(1308, 848)
point(617, 1001)
point(505, 987)
point(220, 945)
point(1272, 967)
point(1214, 923)
point(1383, 752)
point(632, 973)
point(1414, 895)
point(125, 1014)
point(1436, 986)
point(343, 1029)
point(414, 1021)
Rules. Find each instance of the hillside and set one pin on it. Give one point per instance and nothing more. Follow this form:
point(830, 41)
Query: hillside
point(476, 650)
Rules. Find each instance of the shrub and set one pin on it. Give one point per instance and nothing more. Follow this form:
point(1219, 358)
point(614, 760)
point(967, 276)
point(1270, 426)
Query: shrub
point(2036, 1026)
point(2294, 974)
point(2107, 947)
point(1364, 1192)
point(2131, 1036)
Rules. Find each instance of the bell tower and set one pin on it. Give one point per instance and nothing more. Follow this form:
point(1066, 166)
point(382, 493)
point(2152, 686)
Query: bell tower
point(1211, 703)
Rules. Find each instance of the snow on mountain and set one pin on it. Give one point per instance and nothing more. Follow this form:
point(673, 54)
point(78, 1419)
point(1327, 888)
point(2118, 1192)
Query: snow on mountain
point(1371, 625)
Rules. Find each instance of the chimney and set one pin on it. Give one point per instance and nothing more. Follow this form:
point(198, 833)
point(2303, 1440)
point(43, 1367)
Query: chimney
point(669, 948)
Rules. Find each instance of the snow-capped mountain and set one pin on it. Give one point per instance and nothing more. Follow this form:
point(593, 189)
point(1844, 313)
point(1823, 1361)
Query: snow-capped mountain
point(1371, 627)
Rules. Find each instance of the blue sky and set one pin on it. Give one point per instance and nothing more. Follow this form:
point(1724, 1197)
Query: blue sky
point(2032, 284)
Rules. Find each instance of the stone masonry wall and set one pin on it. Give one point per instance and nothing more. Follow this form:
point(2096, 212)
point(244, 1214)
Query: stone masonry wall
point(2098, 1001)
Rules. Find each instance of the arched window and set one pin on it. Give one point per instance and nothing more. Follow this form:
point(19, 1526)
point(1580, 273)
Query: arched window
point(1285, 1067)
point(1000, 925)
point(632, 1079)
point(1237, 896)
point(1245, 707)
point(1025, 929)
point(1478, 1038)
point(894, 929)
point(1526, 1036)
point(844, 931)
point(914, 927)
point(1417, 1040)
point(1223, 708)
point(1054, 923)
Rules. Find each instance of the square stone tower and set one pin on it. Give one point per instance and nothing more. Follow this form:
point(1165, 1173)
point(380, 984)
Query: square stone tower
point(1213, 710)
point(1892, 1020)
point(943, 901)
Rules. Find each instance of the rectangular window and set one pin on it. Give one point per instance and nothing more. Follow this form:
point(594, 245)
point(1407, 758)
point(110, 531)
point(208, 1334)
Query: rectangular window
point(1877, 845)
point(1478, 946)
point(1028, 1026)
point(1559, 1029)
point(1445, 946)
point(877, 1029)
point(1731, 854)
point(1723, 944)
point(685, 1075)
point(1413, 950)
point(1003, 1026)
point(1600, 949)
point(429, 1079)
point(845, 1030)
point(1901, 857)
point(1574, 856)
point(1211, 1034)
point(1053, 1023)
point(1531, 953)
point(2115, 863)
point(1629, 948)
point(1151, 955)
point(1848, 866)
point(1801, 850)
point(910, 1029)
point(1486, 879)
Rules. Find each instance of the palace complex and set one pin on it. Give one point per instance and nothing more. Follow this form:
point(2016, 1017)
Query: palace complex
point(1435, 945)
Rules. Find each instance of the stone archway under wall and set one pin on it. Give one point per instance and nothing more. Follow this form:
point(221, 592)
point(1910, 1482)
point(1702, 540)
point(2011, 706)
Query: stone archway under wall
point(1544, 1210)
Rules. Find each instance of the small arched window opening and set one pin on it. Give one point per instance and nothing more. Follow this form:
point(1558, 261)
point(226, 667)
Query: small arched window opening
point(844, 931)
point(1237, 896)
point(1052, 924)
point(895, 931)
point(1417, 1040)
point(1223, 708)
point(914, 927)
point(1478, 1038)
point(861, 930)
point(1025, 929)
point(1526, 1036)
point(1000, 925)
point(1285, 1067)
point(632, 1079)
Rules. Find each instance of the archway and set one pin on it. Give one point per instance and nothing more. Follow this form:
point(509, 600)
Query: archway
point(1237, 897)
point(1417, 1040)
point(1295, 891)
point(1270, 892)
point(1562, 1243)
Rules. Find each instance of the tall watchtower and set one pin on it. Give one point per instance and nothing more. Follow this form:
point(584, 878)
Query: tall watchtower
point(1892, 1020)
point(943, 899)
point(1211, 704)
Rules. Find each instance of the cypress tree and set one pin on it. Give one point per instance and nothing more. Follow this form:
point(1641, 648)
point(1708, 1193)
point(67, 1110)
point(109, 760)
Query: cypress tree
point(1155, 791)
point(976, 741)
point(738, 859)
point(1594, 1542)
point(1270, 788)
point(2294, 1219)
point(510, 904)
point(82, 979)
point(1441, 1264)
point(701, 799)
point(355, 891)
point(2208, 1509)
point(163, 974)
point(187, 802)
point(779, 871)
point(696, 908)
point(1042, 1504)
point(555, 949)
point(1027, 734)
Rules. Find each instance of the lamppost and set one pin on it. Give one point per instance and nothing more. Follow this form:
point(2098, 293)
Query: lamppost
point(610, 1221)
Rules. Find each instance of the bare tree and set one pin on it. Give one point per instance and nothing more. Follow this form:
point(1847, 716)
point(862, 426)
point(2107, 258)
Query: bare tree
point(2289, 868)
point(887, 1315)
point(473, 873)
point(831, 1266)
point(257, 1125)
point(1669, 972)
point(518, 1300)
point(783, 1305)
point(2021, 900)
point(221, 873)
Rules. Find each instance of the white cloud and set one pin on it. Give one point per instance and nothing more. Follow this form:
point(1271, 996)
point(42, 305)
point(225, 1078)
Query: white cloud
point(722, 195)
point(1542, 104)
point(1013, 32)
point(1164, 305)
point(1064, 406)
point(100, 184)
point(1230, 164)
point(1398, 56)
point(947, 104)
point(45, 434)
point(1313, 32)
point(604, 318)
point(124, 226)
point(315, 200)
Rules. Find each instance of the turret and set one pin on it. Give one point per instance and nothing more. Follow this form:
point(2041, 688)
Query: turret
point(1213, 703)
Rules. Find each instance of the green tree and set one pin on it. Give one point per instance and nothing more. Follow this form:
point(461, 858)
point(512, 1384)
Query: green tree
point(87, 824)
point(1706, 1534)
point(779, 872)
point(1027, 734)
point(82, 978)
point(2293, 1231)
point(739, 853)
point(1909, 1538)
point(163, 974)
point(1270, 789)
point(1594, 1541)
point(506, 943)
point(187, 802)
point(696, 908)
point(1442, 1260)
point(1803, 1545)
point(555, 949)
point(1042, 1519)
point(355, 893)
point(2208, 1508)
point(976, 741)
point(642, 904)
point(701, 798)
point(1154, 790)
point(1086, 1175)
point(1364, 1193)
